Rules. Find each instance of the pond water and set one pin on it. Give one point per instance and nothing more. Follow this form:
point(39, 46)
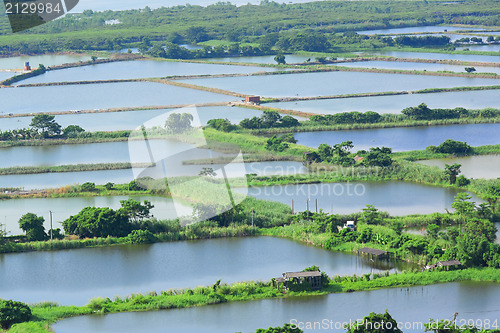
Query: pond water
point(112, 121)
point(485, 48)
point(268, 59)
point(75, 276)
point(335, 83)
point(343, 198)
point(101, 177)
point(46, 60)
point(62, 208)
point(486, 166)
point(410, 306)
point(139, 69)
point(411, 30)
point(405, 138)
point(100, 96)
point(416, 66)
point(107, 152)
point(5, 75)
point(394, 104)
point(439, 56)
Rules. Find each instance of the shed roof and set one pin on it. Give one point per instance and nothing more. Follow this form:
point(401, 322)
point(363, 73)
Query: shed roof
point(301, 274)
point(449, 263)
point(369, 250)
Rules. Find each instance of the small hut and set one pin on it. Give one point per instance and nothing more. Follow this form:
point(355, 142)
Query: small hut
point(290, 279)
point(252, 99)
point(27, 66)
point(373, 253)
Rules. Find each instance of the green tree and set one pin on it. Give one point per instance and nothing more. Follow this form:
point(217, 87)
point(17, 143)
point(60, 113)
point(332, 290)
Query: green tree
point(287, 328)
point(98, 222)
point(223, 125)
point(109, 186)
point(45, 125)
point(12, 312)
point(88, 187)
point(370, 215)
point(280, 59)
point(452, 172)
point(134, 186)
point(72, 130)
point(276, 144)
point(470, 69)
point(462, 204)
point(33, 226)
point(462, 181)
point(432, 230)
point(177, 123)
point(135, 210)
point(141, 237)
point(289, 121)
point(375, 323)
point(420, 112)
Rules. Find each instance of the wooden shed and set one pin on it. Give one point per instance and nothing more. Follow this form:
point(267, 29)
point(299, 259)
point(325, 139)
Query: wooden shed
point(298, 278)
point(373, 253)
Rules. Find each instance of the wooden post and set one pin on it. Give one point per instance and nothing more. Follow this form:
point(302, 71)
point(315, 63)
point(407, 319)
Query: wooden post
point(316, 206)
point(50, 225)
point(292, 207)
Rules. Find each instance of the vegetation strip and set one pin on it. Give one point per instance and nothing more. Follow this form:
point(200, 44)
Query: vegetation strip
point(47, 313)
point(123, 109)
point(70, 168)
point(385, 93)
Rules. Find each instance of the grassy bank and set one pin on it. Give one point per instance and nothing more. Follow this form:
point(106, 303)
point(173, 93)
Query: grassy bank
point(45, 314)
point(70, 168)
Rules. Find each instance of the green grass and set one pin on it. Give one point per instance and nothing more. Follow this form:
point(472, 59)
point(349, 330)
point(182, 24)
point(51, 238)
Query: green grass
point(69, 168)
point(47, 313)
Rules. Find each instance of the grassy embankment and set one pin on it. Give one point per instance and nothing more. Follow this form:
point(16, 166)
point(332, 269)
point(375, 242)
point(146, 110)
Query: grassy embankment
point(45, 314)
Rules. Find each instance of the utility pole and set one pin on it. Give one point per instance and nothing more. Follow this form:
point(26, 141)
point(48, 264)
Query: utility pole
point(252, 218)
point(292, 207)
point(316, 206)
point(50, 212)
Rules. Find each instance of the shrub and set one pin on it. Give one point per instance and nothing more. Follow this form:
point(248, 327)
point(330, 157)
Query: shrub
point(462, 181)
point(12, 312)
point(141, 237)
point(88, 187)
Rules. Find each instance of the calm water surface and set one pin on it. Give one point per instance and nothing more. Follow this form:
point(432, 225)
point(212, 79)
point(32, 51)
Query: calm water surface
point(35, 60)
point(139, 69)
point(487, 166)
point(344, 198)
point(112, 121)
point(439, 56)
point(108, 152)
point(417, 66)
point(410, 30)
point(472, 300)
point(101, 177)
point(75, 276)
point(100, 96)
point(335, 83)
point(403, 139)
point(485, 48)
point(394, 104)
